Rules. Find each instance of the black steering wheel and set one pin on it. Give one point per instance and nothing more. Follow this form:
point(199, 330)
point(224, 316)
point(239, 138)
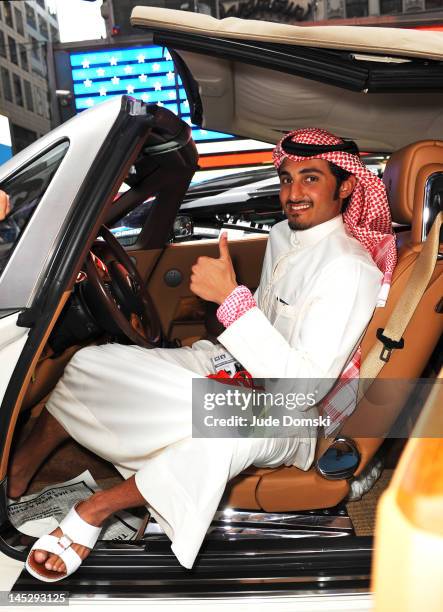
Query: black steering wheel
point(121, 294)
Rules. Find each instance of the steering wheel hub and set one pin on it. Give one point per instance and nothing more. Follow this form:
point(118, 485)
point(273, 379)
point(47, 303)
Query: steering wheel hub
point(122, 295)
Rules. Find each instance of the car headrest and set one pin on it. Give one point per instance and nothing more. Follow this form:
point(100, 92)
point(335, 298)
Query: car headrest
point(405, 178)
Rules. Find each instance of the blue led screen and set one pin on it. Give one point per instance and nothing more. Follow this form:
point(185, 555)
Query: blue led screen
point(146, 73)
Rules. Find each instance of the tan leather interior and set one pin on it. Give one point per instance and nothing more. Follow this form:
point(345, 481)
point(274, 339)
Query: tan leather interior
point(420, 339)
point(289, 488)
point(405, 176)
point(146, 261)
point(25, 386)
point(48, 370)
point(247, 255)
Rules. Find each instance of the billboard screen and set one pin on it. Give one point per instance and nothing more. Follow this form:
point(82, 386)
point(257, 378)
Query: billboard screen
point(146, 73)
point(95, 75)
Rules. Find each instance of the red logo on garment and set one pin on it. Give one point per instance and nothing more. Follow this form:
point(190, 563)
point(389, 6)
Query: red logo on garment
point(241, 378)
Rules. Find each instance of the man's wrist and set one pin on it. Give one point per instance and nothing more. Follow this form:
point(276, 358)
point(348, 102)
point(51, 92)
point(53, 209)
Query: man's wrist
point(239, 301)
point(227, 294)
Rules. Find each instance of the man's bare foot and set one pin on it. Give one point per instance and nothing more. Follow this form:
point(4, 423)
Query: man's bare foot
point(88, 512)
point(53, 562)
point(94, 511)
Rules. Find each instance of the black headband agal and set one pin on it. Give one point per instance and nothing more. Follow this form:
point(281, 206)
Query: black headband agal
point(307, 150)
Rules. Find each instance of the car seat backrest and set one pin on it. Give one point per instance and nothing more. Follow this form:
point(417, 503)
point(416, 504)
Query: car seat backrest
point(408, 176)
point(406, 179)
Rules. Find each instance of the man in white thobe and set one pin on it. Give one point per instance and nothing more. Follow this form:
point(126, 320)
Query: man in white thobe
point(132, 406)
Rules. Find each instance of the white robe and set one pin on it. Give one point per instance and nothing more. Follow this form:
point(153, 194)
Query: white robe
point(132, 406)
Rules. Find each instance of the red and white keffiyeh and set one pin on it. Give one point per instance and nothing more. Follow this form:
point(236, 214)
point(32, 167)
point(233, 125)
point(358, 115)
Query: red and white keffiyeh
point(235, 305)
point(368, 219)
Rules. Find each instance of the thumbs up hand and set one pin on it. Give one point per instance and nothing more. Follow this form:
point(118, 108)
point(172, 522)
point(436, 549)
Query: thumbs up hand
point(213, 279)
point(223, 247)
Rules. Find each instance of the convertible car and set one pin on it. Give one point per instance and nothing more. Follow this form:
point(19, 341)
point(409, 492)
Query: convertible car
point(66, 282)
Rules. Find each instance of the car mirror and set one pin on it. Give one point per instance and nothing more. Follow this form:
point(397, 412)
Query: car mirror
point(183, 227)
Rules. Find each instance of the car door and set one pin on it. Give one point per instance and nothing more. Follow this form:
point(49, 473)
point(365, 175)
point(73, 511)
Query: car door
point(59, 188)
point(26, 188)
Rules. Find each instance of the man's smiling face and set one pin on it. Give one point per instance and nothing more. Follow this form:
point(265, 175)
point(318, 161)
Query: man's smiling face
point(308, 192)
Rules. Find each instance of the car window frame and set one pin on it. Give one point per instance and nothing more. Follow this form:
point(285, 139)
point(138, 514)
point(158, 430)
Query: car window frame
point(5, 184)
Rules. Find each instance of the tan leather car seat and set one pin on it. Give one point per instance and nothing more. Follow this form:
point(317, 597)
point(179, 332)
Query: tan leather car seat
point(288, 488)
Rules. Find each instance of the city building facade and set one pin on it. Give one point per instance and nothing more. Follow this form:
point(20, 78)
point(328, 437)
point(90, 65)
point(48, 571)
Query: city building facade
point(117, 12)
point(370, 12)
point(26, 30)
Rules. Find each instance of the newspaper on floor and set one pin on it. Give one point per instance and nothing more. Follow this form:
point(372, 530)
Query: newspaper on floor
point(40, 513)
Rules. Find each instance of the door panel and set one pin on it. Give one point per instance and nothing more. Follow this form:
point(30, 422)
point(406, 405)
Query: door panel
point(183, 314)
point(12, 341)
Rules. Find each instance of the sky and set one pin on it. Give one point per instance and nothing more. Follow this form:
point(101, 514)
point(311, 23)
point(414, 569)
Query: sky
point(79, 20)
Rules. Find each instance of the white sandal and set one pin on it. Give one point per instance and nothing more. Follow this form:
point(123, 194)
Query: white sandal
point(75, 531)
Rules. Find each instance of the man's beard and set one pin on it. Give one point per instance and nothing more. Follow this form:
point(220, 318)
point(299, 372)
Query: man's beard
point(298, 226)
